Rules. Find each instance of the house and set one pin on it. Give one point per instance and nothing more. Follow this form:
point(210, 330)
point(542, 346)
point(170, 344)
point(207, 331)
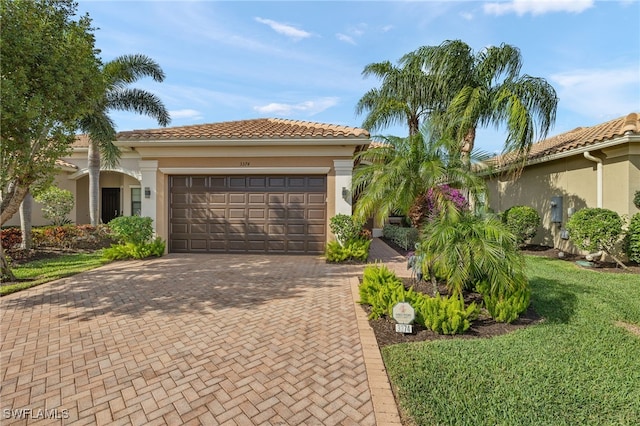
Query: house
point(596, 166)
point(250, 186)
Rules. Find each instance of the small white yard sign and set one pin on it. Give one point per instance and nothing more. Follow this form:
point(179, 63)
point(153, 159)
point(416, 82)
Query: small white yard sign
point(404, 314)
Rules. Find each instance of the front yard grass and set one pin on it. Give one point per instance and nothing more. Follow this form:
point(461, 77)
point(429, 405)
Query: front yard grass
point(577, 367)
point(41, 271)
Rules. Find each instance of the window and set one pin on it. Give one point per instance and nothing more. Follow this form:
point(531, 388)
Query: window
point(136, 202)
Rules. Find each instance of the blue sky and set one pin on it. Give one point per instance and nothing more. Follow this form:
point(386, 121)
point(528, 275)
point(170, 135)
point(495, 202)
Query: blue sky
point(303, 60)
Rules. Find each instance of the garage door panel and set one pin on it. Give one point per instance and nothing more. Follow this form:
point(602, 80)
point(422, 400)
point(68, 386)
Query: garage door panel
point(275, 183)
point(198, 228)
point(318, 199)
point(237, 182)
point(236, 213)
point(315, 230)
point(217, 213)
point(248, 214)
point(296, 198)
point(218, 198)
point(295, 213)
point(260, 199)
point(316, 214)
point(199, 213)
point(257, 182)
point(274, 199)
point(198, 244)
point(257, 214)
point(199, 182)
point(179, 213)
point(316, 183)
point(179, 228)
point(277, 213)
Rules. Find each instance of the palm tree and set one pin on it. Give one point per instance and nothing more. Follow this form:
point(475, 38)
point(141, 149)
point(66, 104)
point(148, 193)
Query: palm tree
point(402, 98)
point(486, 89)
point(466, 249)
point(118, 74)
point(393, 176)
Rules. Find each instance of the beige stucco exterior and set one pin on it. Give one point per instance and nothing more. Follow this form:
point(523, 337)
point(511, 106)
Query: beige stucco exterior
point(574, 178)
point(148, 166)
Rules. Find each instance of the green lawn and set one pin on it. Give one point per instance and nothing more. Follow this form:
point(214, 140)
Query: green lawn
point(42, 271)
point(576, 368)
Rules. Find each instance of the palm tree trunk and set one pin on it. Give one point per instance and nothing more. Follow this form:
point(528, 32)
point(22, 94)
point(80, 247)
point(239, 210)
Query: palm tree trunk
point(25, 221)
point(467, 146)
point(94, 182)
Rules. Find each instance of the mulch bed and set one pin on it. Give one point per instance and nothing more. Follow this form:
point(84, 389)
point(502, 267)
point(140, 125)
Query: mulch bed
point(483, 327)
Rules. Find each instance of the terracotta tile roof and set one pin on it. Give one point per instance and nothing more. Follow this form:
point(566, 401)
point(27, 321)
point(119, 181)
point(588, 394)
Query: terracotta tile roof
point(262, 128)
point(580, 137)
point(82, 141)
point(64, 164)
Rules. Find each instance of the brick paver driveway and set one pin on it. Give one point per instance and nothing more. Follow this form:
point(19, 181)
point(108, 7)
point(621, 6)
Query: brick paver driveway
point(198, 339)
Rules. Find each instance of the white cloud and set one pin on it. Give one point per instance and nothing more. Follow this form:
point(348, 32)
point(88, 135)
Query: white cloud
point(467, 16)
point(599, 93)
point(345, 38)
point(306, 107)
point(181, 114)
point(387, 28)
point(537, 7)
point(284, 29)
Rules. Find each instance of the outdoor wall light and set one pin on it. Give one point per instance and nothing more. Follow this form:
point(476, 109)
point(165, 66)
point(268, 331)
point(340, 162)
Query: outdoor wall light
point(346, 193)
point(147, 192)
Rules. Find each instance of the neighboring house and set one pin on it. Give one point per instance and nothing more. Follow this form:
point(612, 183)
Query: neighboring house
point(596, 166)
point(251, 186)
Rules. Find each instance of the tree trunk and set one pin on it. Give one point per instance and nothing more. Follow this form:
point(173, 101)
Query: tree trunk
point(25, 221)
point(5, 271)
point(94, 182)
point(467, 146)
point(11, 202)
point(10, 205)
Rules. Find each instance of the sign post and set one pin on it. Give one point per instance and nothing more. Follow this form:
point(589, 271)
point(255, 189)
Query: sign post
point(404, 314)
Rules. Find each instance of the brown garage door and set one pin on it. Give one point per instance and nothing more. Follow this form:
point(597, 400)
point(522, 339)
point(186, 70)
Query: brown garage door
point(248, 214)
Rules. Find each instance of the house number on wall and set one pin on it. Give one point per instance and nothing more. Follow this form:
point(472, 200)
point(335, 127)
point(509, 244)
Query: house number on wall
point(244, 164)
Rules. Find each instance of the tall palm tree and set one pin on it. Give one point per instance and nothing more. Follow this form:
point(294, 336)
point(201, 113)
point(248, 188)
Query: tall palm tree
point(118, 74)
point(402, 98)
point(393, 176)
point(486, 89)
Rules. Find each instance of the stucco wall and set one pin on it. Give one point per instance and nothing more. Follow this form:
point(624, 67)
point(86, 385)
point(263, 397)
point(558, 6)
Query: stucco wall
point(62, 182)
point(574, 179)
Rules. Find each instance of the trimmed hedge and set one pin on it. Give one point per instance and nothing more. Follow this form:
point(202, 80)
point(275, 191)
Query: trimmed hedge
point(404, 237)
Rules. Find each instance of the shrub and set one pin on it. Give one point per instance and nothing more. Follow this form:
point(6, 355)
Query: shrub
point(466, 249)
point(595, 229)
point(356, 249)
point(345, 228)
point(135, 250)
point(11, 238)
point(429, 204)
point(632, 239)
point(56, 205)
point(506, 307)
point(132, 229)
point(636, 199)
point(445, 315)
point(60, 237)
point(523, 221)
point(381, 289)
point(403, 237)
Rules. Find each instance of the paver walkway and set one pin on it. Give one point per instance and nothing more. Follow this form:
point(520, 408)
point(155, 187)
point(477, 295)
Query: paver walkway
point(194, 339)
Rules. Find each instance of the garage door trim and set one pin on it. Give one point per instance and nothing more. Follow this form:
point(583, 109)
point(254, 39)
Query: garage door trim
point(245, 170)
